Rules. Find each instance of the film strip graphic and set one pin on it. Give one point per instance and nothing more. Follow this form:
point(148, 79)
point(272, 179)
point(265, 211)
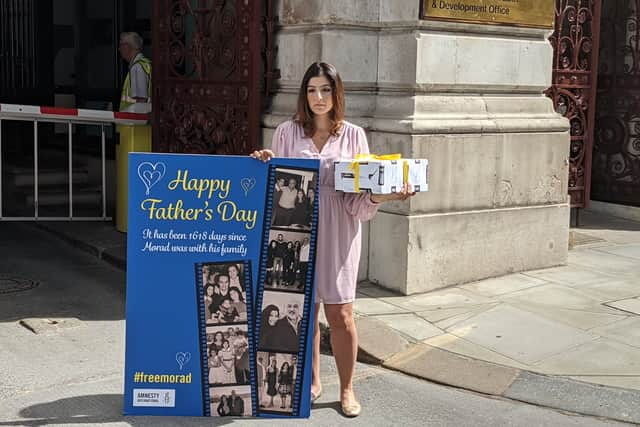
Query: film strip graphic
point(285, 293)
point(225, 313)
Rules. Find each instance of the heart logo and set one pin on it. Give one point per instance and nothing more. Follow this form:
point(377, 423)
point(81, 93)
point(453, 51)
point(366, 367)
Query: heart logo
point(150, 174)
point(183, 358)
point(247, 184)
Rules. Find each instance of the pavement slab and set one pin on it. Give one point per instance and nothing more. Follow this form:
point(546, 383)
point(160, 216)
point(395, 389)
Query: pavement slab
point(450, 298)
point(601, 357)
point(442, 313)
point(626, 331)
point(613, 290)
point(503, 285)
point(374, 291)
point(629, 251)
point(466, 348)
point(474, 311)
point(571, 274)
point(372, 306)
point(520, 335)
point(556, 296)
point(585, 320)
point(631, 305)
point(603, 262)
point(411, 325)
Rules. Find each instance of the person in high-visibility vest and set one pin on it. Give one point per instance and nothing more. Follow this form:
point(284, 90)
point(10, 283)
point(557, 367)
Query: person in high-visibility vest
point(136, 91)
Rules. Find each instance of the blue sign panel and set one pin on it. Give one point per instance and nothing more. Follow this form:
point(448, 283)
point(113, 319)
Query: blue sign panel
point(220, 273)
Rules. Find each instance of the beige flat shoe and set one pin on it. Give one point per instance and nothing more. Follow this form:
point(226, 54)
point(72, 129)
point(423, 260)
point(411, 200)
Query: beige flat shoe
point(352, 410)
point(315, 396)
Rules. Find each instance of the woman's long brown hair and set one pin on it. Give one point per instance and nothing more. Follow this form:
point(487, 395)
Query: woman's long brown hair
point(304, 115)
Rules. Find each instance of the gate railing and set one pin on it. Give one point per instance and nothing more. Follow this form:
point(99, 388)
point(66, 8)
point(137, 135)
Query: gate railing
point(575, 41)
point(70, 116)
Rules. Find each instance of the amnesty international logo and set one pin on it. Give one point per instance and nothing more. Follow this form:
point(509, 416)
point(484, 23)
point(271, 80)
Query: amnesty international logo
point(151, 397)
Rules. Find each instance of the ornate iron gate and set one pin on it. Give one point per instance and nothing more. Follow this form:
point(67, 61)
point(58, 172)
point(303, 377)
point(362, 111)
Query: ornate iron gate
point(575, 43)
point(616, 156)
point(206, 76)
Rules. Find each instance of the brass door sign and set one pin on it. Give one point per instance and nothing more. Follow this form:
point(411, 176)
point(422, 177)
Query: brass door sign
point(524, 13)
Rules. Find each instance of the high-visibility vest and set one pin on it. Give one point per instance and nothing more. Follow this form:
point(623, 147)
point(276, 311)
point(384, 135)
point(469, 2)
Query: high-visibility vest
point(125, 99)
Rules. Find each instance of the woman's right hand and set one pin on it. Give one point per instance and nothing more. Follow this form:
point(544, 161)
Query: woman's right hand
point(264, 155)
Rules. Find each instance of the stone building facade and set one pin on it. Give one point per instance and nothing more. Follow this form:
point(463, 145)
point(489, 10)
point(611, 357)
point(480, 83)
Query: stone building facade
point(468, 97)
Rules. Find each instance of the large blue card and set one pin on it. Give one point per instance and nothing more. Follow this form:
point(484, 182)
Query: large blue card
point(220, 274)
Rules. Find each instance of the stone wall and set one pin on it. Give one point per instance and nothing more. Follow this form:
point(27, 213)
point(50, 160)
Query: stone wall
point(469, 98)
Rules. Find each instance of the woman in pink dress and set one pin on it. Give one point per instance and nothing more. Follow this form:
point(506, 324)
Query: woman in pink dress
point(319, 131)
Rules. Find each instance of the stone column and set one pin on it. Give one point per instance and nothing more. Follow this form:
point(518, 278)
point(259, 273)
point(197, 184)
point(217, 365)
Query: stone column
point(469, 98)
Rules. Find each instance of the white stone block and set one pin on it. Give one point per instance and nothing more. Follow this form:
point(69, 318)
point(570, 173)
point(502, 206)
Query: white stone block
point(425, 252)
point(483, 171)
point(473, 62)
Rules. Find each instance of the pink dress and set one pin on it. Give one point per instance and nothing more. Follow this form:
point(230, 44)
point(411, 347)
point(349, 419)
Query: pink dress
point(339, 240)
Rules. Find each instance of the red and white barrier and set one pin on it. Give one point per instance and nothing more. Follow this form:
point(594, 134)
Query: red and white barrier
point(69, 116)
point(27, 112)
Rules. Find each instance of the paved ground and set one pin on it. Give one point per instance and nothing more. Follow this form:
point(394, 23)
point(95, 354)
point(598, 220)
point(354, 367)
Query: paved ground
point(566, 337)
point(62, 352)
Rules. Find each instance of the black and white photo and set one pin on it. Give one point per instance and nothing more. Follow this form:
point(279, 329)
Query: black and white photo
point(276, 377)
point(280, 321)
point(287, 260)
point(293, 198)
point(224, 293)
point(234, 401)
point(228, 354)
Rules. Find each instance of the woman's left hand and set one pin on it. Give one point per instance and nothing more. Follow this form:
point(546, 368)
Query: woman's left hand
point(404, 194)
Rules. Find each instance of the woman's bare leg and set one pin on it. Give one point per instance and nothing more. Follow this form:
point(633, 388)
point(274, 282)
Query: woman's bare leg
point(344, 343)
point(316, 384)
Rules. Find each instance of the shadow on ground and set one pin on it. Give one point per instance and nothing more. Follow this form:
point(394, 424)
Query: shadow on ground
point(97, 409)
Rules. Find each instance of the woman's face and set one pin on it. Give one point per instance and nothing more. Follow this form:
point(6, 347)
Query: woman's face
point(234, 295)
point(225, 345)
point(273, 317)
point(300, 195)
point(209, 290)
point(218, 336)
point(320, 95)
point(233, 271)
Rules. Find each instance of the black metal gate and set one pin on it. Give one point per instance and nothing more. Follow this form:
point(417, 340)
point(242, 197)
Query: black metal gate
point(616, 155)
